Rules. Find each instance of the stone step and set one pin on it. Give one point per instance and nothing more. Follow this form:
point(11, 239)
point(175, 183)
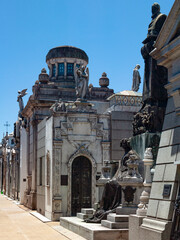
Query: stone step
point(84, 216)
point(114, 225)
point(113, 217)
point(92, 231)
point(125, 210)
point(87, 211)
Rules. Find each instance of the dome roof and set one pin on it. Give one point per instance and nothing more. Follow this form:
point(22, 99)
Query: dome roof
point(66, 52)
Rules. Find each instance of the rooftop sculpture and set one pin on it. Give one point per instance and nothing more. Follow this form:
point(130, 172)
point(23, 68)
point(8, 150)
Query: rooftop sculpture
point(136, 78)
point(20, 100)
point(82, 79)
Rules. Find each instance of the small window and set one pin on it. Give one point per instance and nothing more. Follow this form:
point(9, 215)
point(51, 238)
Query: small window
point(53, 70)
point(61, 69)
point(70, 69)
point(12, 141)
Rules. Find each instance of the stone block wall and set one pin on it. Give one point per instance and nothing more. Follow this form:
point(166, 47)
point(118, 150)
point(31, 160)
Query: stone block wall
point(166, 171)
point(121, 127)
point(41, 168)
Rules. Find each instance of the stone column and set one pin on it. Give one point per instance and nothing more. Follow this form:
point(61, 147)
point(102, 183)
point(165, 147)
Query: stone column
point(65, 70)
point(56, 184)
point(4, 169)
point(144, 198)
point(57, 70)
point(34, 165)
point(105, 151)
point(50, 70)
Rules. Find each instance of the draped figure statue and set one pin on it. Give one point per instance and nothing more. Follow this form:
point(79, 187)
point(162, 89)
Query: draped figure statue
point(82, 79)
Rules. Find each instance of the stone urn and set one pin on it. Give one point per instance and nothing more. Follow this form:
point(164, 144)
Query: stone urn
point(104, 80)
point(43, 76)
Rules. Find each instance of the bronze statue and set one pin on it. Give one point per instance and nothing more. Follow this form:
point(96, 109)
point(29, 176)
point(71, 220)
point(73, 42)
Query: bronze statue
point(151, 116)
point(155, 77)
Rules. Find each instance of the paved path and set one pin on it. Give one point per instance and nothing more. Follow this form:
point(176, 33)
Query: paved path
point(17, 223)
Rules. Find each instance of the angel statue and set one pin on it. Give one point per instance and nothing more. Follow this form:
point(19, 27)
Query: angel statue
point(136, 78)
point(20, 100)
point(82, 79)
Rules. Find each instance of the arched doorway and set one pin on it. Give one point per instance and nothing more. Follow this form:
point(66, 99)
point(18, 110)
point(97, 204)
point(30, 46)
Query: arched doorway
point(81, 184)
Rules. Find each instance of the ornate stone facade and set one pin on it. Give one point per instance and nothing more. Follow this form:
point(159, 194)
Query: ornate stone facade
point(78, 132)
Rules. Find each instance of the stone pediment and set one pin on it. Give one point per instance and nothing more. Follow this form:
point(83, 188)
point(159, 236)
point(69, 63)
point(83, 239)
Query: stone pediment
point(171, 27)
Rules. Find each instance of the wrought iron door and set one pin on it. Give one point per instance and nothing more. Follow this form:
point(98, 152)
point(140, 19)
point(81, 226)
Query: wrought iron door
point(81, 184)
point(175, 234)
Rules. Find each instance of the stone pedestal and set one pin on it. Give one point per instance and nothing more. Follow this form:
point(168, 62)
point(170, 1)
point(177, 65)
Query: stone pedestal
point(134, 224)
point(33, 199)
point(144, 198)
point(154, 229)
point(104, 178)
point(131, 183)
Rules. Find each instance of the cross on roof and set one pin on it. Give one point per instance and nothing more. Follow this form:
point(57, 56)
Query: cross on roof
point(7, 125)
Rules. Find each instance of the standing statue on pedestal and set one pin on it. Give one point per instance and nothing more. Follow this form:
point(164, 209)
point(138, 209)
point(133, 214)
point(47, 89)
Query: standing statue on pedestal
point(20, 100)
point(136, 78)
point(82, 79)
point(151, 116)
point(155, 77)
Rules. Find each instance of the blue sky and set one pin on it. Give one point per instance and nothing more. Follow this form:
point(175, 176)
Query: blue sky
point(110, 32)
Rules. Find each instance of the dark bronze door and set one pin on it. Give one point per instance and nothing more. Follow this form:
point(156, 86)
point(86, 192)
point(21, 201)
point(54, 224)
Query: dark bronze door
point(81, 184)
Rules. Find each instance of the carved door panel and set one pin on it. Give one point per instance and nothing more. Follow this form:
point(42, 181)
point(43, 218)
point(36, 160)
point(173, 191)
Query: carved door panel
point(175, 234)
point(81, 184)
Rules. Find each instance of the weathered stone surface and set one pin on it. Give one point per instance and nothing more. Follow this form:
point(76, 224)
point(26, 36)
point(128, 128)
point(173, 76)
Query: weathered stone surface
point(159, 173)
point(92, 231)
point(165, 138)
point(170, 105)
point(170, 173)
point(169, 206)
point(113, 217)
point(120, 134)
point(125, 124)
point(122, 116)
point(167, 154)
point(175, 139)
point(171, 121)
point(157, 190)
point(152, 208)
point(178, 156)
point(114, 225)
point(134, 224)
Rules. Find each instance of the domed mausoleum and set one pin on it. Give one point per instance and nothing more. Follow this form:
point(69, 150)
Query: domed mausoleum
point(70, 130)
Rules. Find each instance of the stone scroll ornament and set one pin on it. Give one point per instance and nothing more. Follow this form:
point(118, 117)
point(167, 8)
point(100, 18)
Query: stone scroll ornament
point(82, 79)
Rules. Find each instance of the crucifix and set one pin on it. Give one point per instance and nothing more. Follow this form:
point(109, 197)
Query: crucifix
point(7, 125)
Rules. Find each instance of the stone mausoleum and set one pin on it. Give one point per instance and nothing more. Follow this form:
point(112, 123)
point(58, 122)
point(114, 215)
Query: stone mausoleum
point(68, 132)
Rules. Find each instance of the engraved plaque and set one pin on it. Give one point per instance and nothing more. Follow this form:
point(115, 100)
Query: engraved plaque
point(167, 190)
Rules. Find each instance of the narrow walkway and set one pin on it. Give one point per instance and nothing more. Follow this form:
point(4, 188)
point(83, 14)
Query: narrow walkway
point(18, 224)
